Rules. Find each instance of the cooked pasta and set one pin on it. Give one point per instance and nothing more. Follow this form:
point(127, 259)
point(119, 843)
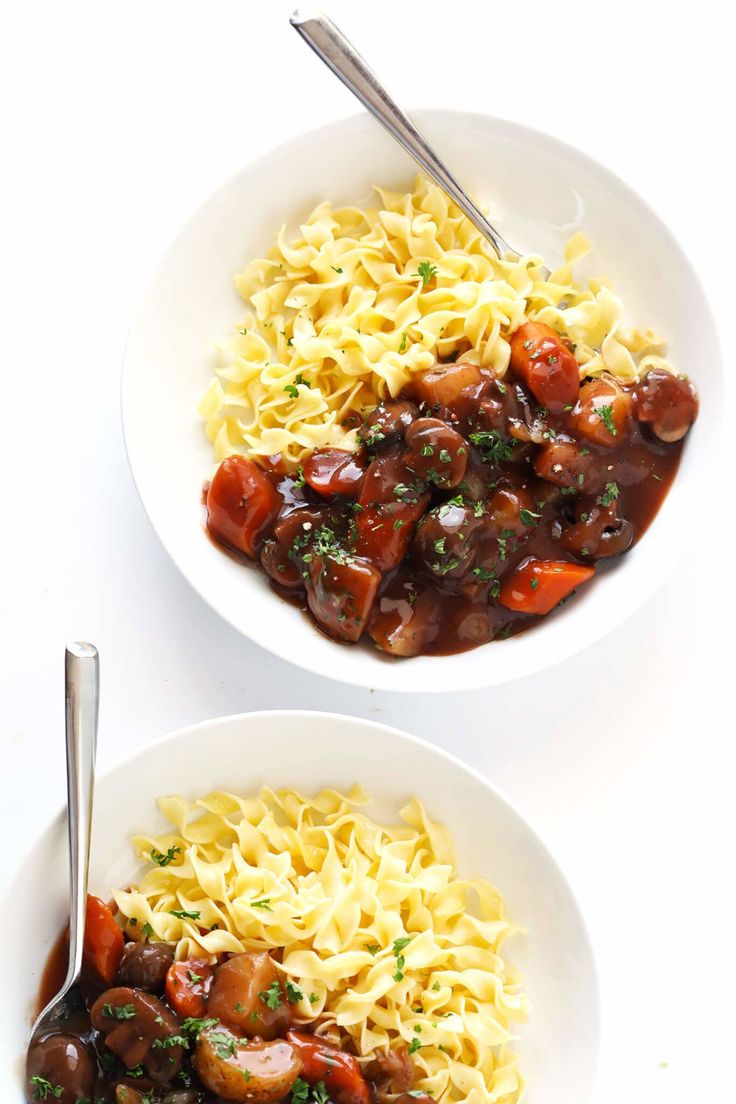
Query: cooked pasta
point(362, 300)
point(372, 924)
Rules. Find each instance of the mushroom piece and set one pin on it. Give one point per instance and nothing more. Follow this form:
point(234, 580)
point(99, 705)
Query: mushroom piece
point(144, 966)
point(387, 422)
point(141, 1030)
point(666, 402)
point(598, 532)
point(437, 453)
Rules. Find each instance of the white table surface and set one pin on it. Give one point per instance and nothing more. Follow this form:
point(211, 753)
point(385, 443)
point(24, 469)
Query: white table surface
point(119, 120)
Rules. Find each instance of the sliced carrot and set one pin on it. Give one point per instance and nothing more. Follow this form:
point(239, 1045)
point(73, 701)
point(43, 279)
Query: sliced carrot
point(103, 940)
point(187, 986)
point(537, 586)
point(340, 1072)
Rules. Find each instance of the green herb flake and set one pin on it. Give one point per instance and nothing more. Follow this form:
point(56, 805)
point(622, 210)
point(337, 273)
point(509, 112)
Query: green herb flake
point(609, 495)
point(170, 1041)
point(414, 1045)
point(529, 518)
point(193, 1026)
point(336, 269)
point(605, 413)
point(404, 341)
point(119, 1012)
point(43, 1089)
point(161, 859)
point(264, 903)
point(299, 1092)
point(293, 993)
point(185, 914)
point(494, 448)
point(534, 583)
point(427, 271)
point(271, 996)
point(436, 986)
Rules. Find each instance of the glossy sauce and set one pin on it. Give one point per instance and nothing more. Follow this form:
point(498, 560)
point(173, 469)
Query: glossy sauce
point(587, 482)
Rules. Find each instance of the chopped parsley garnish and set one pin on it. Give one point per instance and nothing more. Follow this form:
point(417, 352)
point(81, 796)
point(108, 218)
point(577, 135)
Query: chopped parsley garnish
point(161, 859)
point(299, 1092)
point(43, 1089)
point(529, 518)
point(427, 271)
point(373, 948)
point(293, 992)
point(170, 1041)
point(398, 946)
point(320, 1094)
point(494, 447)
point(398, 523)
point(225, 1046)
point(264, 903)
point(185, 914)
point(605, 413)
point(119, 1012)
point(436, 986)
point(439, 545)
point(427, 450)
point(291, 391)
point(194, 978)
point(445, 457)
point(404, 341)
point(193, 1026)
point(485, 576)
point(271, 996)
point(314, 998)
point(414, 1045)
point(300, 480)
point(534, 583)
point(336, 269)
point(609, 495)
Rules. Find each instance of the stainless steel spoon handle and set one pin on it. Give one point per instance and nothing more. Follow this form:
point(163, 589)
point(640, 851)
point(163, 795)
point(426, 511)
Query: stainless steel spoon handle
point(346, 63)
point(82, 698)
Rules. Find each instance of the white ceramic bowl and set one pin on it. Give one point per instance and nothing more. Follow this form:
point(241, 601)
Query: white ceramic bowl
point(539, 191)
point(558, 1049)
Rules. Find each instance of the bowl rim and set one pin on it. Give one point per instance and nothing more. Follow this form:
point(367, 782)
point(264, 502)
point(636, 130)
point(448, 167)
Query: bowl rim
point(373, 663)
point(57, 817)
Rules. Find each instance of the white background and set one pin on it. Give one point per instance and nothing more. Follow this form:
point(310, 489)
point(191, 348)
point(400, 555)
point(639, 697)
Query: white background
point(119, 119)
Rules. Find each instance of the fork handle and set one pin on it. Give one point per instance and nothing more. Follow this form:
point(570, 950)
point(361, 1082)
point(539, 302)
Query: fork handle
point(346, 63)
point(82, 698)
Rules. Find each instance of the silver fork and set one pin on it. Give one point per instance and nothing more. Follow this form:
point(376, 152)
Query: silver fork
point(82, 696)
point(339, 55)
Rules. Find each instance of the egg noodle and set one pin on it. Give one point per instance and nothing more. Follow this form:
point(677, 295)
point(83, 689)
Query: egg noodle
point(347, 313)
point(377, 931)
